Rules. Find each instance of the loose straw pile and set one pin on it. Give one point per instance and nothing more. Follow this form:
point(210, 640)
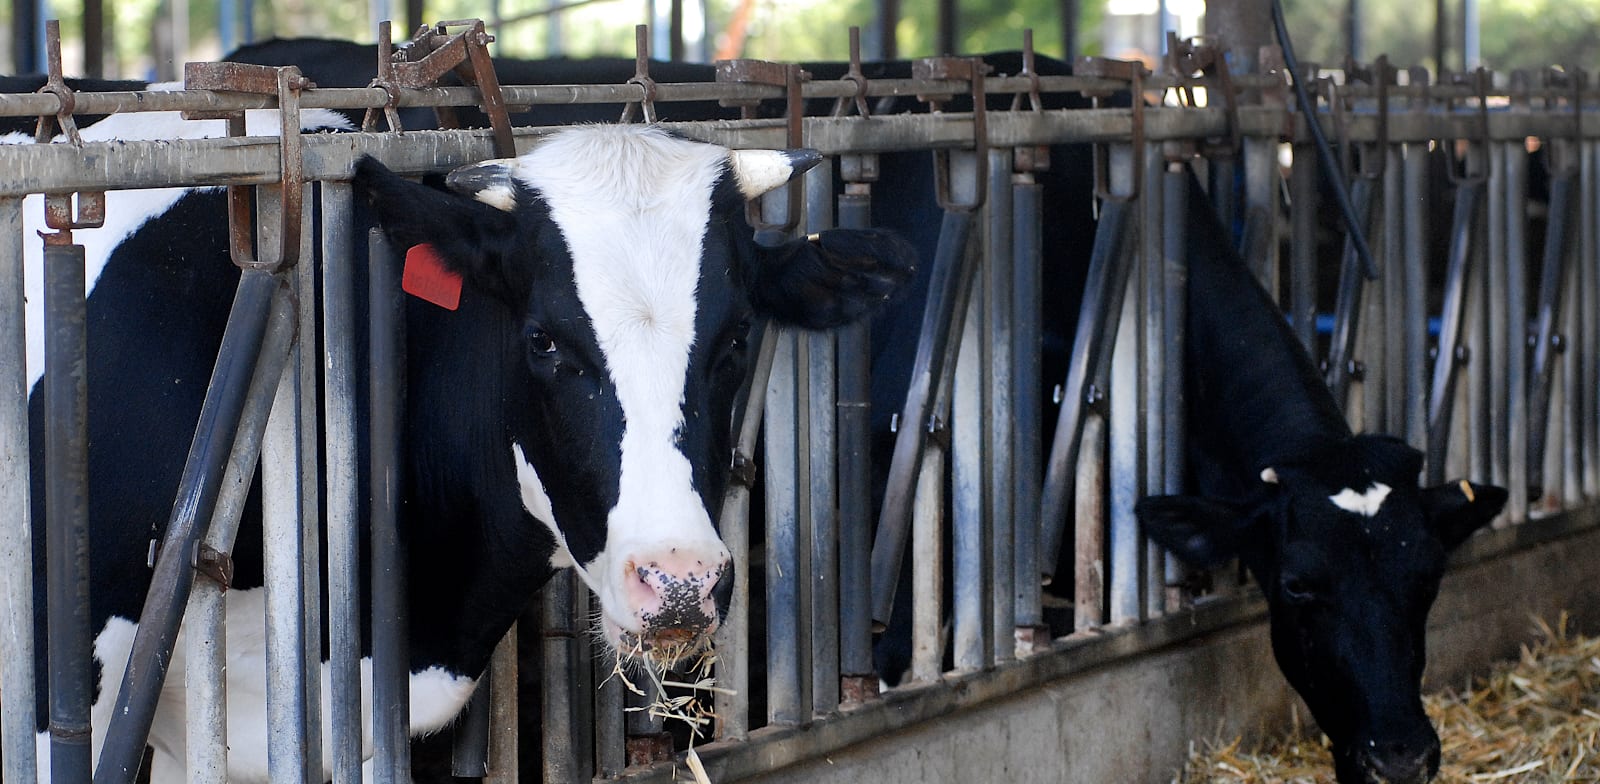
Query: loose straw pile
point(694, 708)
point(1531, 721)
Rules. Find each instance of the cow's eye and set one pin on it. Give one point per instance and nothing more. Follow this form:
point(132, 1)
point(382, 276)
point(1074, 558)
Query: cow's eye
point(540, 344)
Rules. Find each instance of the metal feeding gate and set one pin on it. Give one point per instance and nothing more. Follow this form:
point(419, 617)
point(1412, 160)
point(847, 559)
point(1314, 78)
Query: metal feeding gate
point(983, 489)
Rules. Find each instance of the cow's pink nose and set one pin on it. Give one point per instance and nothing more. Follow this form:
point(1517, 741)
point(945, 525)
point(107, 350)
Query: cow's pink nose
point(671, 591)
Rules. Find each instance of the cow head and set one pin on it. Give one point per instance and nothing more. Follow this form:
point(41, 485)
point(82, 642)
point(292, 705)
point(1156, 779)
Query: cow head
point(621, 257)
point(1349, 551)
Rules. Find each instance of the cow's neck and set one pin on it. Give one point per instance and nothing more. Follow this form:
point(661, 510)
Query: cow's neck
point(476, 556)
point(1255, 399)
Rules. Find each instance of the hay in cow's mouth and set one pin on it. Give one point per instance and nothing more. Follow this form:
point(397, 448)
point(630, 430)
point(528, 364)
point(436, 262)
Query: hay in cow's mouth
point(660, 665)
point(1533, 720)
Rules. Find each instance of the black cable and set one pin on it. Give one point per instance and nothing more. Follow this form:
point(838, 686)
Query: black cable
point(1330, 167)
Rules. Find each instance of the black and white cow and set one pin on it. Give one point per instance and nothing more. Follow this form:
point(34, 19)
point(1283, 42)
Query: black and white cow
point(572, 411)
point(1346, 546)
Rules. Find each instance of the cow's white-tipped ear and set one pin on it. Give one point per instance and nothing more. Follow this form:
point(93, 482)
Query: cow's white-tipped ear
point(1269, 475)
point(759, 171)
point(487, 181)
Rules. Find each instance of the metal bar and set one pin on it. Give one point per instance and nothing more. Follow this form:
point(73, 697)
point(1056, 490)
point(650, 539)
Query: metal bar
point(311, 512)
point(1478, 424)
point(1452, 333)
point(783, 575)
point(1552, 285)
point(1341, 349)
point(950, 269)
point(1027, 399)
point(1104, 287)
point(927, 566)
point(18, 730)
point(340, 371)
point(1589, 313)
point(565, 744)
point(205, 687)
point(610, 739)
point(1414, 296)
point(1569, 459)
point(469, 736)
point(391, 688)
point(1303, 248)
point(196, 498)
point(503, 729)
point(1089, 556)
point(1153, 347)
point(1173, 282)
point(822, 454)
point(1515, 322)
point(66, 439)
point(971, 578)
point(855, 468)
point(1125, 467)
point(1498, 328)
point(999, 412)
point(733, 639)
point(1389, 390)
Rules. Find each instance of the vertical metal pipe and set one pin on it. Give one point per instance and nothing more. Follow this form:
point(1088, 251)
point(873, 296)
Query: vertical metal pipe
point(1454, 330)
point(971, 578)
point(1516, 330)
point(823, 471)
point(1549, 329)
point(940, 324)
point(1413, 411)
point(733, 639)
point(999, 413)
point(469, 735)
point(1126, 463)
point(1342, 346)
point(340, 371)
point(1478, 425)
point(563, 729)
point(503, 729)
point(1027, 399)
point(927, 565)
point(1174, 285)
point(1154, 345)
point(17, 722)
point(783, 576)
point(66, 440)
point(1390, 390)
point(1569, 459)
point(1261, 193)
point(1303, 249)
point(391, 688)
point(309, 466)
point(1089, 544)
point(198, 490)
point(205, 687)
point(1499, 328)
point(855, 469)
point(1589, 309)
point(610, 740)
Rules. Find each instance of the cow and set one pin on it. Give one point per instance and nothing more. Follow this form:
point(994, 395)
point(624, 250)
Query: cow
point(573, 411)
point(1347, 548)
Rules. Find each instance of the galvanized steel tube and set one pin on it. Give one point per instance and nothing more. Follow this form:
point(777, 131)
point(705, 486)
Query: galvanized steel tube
point(204, 625)
point(999, 410)
point(565, 750)
point(1174, 286)
point(196, 499)
point(1588, 308)
point(1126, 463)
point(283, 551)
point(391, 688)
point(1303, 247)
point(503, 702)
point(1453, 333)
point(309, 465)
point(970, 578)
point(17, 722)
point(1154, 346)
point(1516, 331)
point(1548, 318)
point(1413, 410)
point(1089, 515)
point(1390, 389)
point(469, 735)
point(927, 565)
point(342, 500)
point(855, 468)
point(823, 471)
point(66, 443)
point(1027, 399)
point(610, 740)
point(1499, 328)
point(783, 575)
point(1342, 346)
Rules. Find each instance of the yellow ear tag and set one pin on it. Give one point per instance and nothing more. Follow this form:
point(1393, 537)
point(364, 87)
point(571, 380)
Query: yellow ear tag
point(1466, 490)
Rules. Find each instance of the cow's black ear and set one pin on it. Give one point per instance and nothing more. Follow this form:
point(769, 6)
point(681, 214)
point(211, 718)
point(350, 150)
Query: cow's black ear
point(472, 237)
point(1202, 532)
point(835, 278)
point(1457, 509)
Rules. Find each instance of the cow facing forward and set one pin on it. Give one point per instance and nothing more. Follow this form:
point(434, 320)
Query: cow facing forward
point(574, 410)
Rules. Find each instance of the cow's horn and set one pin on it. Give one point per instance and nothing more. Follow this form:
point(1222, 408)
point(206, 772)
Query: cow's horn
point(488, 181)
point(759, 171)
point(1269, 475)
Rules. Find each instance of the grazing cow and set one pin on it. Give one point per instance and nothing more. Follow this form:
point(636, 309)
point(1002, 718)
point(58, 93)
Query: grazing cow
point(1348, 550)
point(573, 411)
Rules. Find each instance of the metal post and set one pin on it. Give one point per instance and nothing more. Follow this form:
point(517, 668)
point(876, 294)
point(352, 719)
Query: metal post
point(1126, 464)
point(1589, 284)
point(391, 688)
point(565, 741)
point(822, 454)
point(927, 561)
point(17, 722)
point(342, 498)
point(1174, 284)
point(206, 691)
point(610, 739)
point(783, 575)
point(1388, 392)
point(1514, 316)
point(855, 462)
point(1413, 411)
point(1151, 360)
point(1089, 514)
point(1454, 334)
point(1027, 401)
point(971, 578)
point(66, 440)
point(196, 499)
point(999, 414)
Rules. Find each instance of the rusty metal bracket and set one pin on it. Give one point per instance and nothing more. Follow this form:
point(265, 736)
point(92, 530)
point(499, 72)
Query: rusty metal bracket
point(434, 52)
point(214, 564)
point(971, 70)
point(641, 76)
point(57, 86)
point(790, 77)
point(854, 74)
point(1190, 59)
point(287, 83)
point(1479, 80)
point(384, 80)
point(1133, 72)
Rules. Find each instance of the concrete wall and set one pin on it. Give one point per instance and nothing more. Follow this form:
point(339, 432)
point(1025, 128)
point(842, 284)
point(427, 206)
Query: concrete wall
point(1132, 721)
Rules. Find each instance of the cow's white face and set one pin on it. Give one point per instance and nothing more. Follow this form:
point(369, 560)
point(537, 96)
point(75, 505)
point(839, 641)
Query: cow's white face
point(630, 275)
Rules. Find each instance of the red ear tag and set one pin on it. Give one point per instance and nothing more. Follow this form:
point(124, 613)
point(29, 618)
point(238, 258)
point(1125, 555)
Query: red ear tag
point(426, 277)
